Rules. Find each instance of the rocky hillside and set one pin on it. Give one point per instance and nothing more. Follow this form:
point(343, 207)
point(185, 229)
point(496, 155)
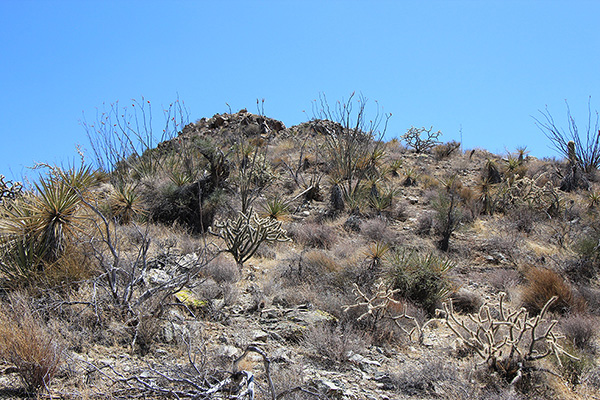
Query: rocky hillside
point(245, 258)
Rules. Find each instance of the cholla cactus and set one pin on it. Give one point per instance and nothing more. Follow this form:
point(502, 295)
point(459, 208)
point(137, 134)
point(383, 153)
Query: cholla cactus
point(415, 139)
point(508, 340)
point(244, 235)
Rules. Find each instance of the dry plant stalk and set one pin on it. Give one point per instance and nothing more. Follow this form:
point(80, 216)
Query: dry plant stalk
point(507, 339)
point(378, 306)
point(28, 346)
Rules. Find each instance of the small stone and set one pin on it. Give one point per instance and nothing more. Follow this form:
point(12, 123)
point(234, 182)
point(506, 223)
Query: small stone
point(412, 200)
point(228, 351)
point(260, 336)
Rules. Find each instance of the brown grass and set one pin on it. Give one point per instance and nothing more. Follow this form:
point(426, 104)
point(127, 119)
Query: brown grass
point(544, 283)
point(27, 344)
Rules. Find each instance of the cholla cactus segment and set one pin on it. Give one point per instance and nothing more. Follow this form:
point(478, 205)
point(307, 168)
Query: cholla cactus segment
point(244, 235)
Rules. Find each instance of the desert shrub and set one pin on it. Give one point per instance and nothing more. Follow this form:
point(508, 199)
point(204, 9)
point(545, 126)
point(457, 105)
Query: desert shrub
point(466, 301)
point(193, 205)
point(222, 270)
point(421, 139)
point(288, 379)
point(425, 223)
point(580, 330)
point(542, 284)
point(587, 259)
point(591, 296)
point(585, 149)
point(504, 280)
point(429, 378)
point(254, 173)
point(314, 235)
point(28, 345)
point(448, 212)
point(376, 230)
point(353, 223)
point(574, 369)
point(443, 151)
point(420, 278)
point(353, 147)
point(523, 218)
point(335, 343)
point(501, 247)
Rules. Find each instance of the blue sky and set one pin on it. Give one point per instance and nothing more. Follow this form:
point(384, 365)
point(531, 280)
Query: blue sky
point(483, 66)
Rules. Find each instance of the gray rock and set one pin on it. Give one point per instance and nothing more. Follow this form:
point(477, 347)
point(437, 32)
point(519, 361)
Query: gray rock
point(156, 277)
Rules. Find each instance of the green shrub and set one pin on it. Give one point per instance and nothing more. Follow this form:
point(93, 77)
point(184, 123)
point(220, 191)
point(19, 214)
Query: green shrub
point(420, 278)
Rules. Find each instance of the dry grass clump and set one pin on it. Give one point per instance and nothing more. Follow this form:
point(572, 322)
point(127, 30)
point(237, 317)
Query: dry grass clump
point(444, 150)
point(27, 344)
point(542, 285)
point(222, 270)
point(318, 263)
point(430, 378)
point(313, 235)
point(335, 343)
point(466, 301)
point(505, 280)
point(74, 265)
point(376, 230)
point(580, 330)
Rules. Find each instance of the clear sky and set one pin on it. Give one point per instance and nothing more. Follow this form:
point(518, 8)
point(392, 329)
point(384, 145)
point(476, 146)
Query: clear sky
point(484, 66)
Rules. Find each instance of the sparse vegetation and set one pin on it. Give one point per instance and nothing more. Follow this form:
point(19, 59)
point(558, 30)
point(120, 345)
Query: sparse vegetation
point(585, 148)
point(115, 270)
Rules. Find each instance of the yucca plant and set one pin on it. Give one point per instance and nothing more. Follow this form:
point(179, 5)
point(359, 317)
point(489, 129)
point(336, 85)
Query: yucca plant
point(394, 167)
point(410, 177)
point(125, 203)
point(383, 199)
point(21, 259)
point(486, 197)
point(275, 207)
point(355, 201)
point(594, 199)
point(53, 214)
point(79, 179)
point(375, 254)
point(50, 215)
